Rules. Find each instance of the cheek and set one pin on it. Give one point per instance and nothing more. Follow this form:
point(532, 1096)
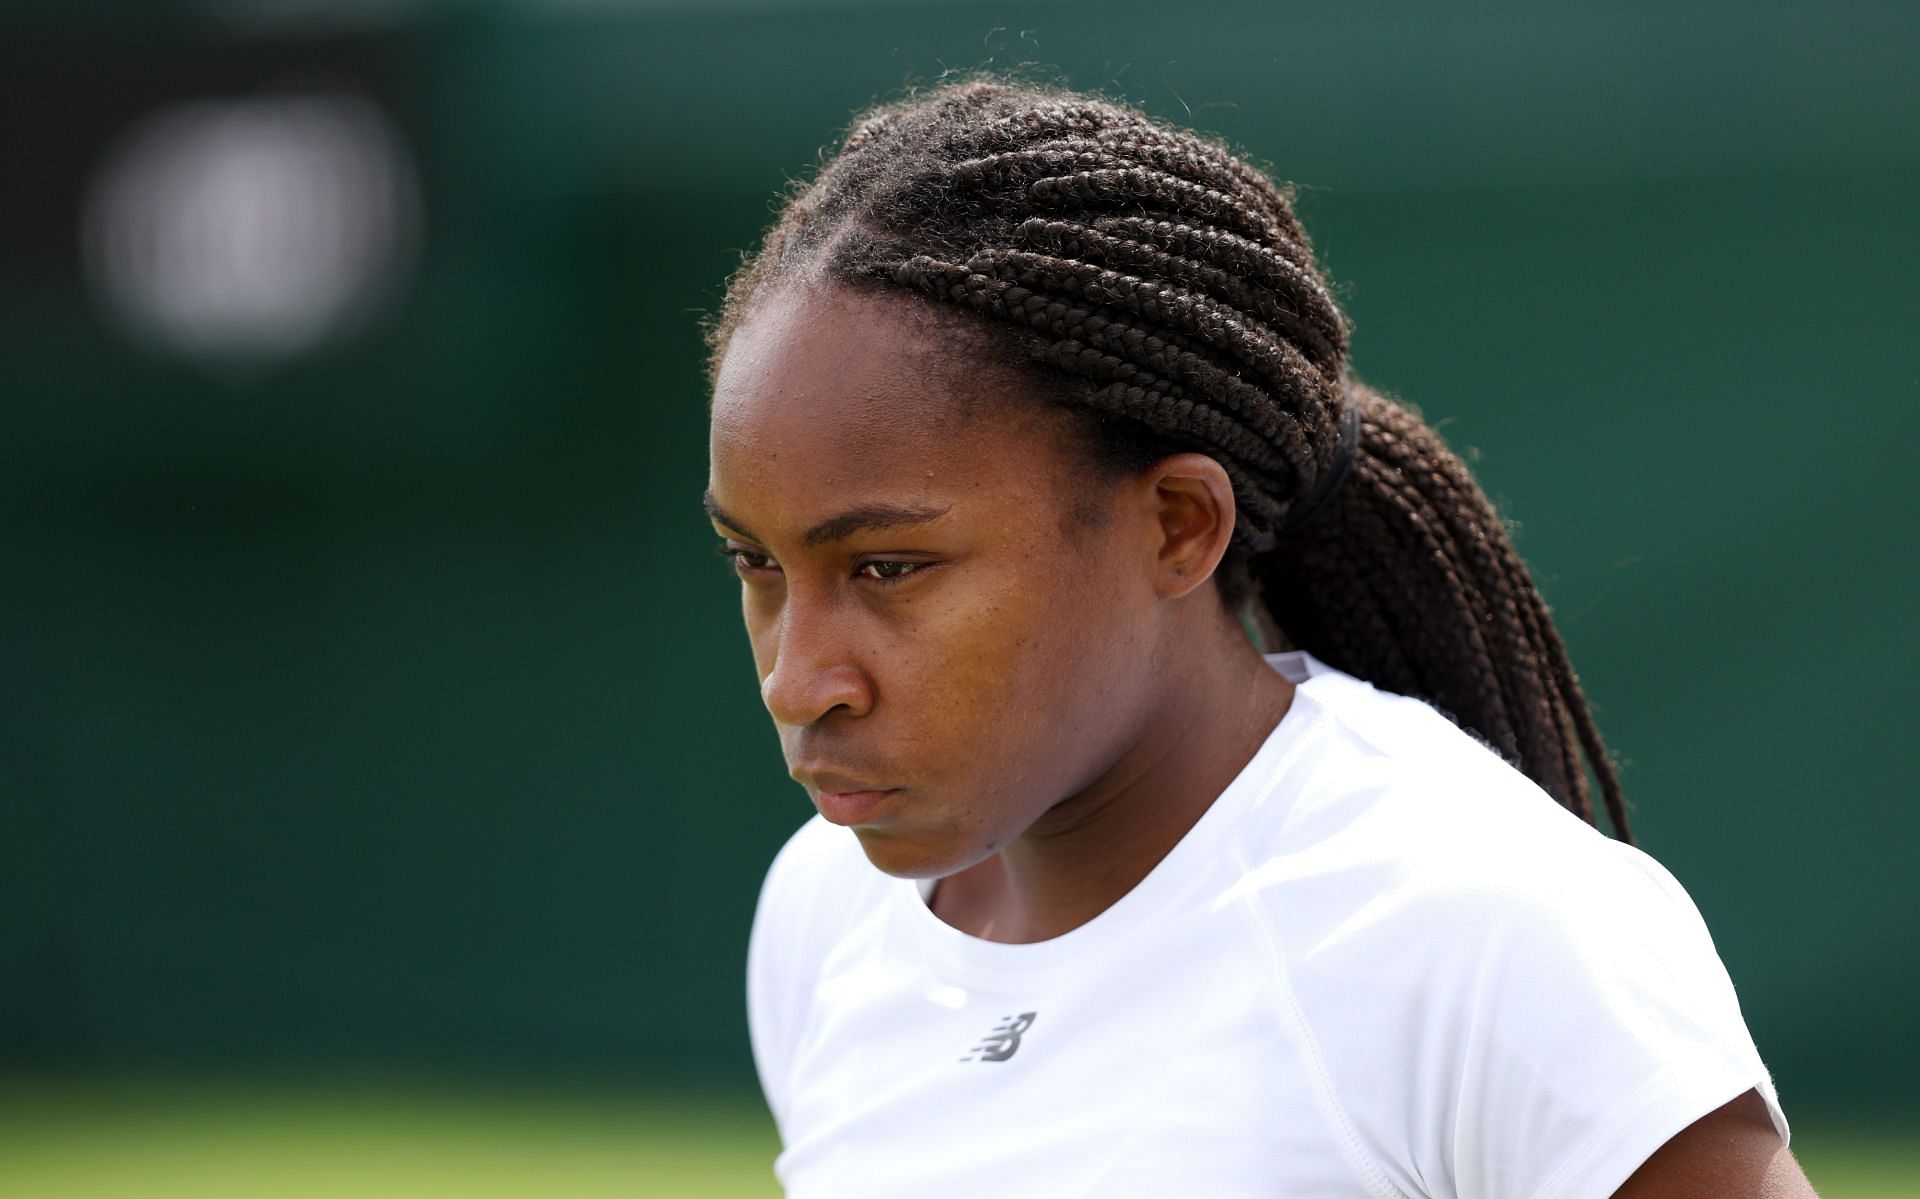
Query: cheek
point(1016, 692)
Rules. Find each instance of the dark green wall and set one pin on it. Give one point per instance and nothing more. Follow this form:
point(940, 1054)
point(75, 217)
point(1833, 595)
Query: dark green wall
point(388, 706)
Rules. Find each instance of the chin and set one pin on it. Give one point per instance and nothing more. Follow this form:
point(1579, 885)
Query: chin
point(904, 855)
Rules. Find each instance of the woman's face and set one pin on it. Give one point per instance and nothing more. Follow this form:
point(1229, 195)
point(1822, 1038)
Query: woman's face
point(946, 652)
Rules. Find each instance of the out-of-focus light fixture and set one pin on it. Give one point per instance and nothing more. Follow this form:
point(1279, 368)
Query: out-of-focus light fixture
point(252, 230)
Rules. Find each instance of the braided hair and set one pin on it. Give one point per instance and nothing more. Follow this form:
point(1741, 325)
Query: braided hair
point(1164, 291)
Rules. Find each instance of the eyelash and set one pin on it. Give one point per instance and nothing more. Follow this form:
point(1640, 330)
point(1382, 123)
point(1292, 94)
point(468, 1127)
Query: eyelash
point(739, 555)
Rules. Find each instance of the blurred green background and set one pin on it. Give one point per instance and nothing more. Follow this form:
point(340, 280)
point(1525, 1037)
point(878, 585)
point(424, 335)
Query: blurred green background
point(380, 761)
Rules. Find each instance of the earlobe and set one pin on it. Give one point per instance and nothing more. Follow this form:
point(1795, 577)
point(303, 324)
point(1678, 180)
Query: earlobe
point(1195, 509)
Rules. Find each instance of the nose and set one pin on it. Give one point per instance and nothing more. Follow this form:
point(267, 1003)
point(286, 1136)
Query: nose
point(814, 671)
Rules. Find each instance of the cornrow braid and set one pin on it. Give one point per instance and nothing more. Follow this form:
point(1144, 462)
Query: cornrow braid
point(1261, 265)
point(1132, 393)
point(1071, 241)
point(1165, 291)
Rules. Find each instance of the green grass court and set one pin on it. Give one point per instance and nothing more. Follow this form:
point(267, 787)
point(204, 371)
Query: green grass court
point(68, 1140)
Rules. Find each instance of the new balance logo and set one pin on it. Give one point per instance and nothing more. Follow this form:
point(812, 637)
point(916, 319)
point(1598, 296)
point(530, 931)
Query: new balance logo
point(1003, 1041)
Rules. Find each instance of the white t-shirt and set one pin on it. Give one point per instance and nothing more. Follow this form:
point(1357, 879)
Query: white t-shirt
point(1382, 963)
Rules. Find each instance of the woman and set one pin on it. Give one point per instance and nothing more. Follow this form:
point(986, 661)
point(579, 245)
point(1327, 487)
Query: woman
point(1030, 418)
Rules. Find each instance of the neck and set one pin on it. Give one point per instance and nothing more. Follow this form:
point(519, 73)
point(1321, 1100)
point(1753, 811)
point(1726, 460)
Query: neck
point(1092, 848)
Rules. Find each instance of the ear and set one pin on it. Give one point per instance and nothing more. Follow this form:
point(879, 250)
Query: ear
point(1192, 501)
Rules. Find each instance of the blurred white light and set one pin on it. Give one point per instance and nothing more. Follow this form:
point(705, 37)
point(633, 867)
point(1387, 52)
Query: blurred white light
point(252, 229)
point(947, 996)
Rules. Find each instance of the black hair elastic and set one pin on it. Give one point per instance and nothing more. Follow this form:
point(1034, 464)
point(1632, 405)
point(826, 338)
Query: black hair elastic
point(1310, 505)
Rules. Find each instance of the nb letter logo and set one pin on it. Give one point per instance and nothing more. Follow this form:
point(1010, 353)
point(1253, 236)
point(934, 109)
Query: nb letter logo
point(1003, 1041)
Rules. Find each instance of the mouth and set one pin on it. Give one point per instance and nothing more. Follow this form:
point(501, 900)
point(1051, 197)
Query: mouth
point(844, 800)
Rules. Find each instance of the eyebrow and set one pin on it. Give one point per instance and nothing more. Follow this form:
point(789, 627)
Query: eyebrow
point(838, 528)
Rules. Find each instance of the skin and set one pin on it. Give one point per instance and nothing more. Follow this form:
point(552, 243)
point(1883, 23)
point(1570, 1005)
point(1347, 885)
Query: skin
point(1001, 673)
point(1733, 1151)
point(1001, 606)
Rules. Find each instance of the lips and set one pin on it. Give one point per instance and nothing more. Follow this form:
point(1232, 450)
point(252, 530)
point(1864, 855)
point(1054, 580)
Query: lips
point(843, 799)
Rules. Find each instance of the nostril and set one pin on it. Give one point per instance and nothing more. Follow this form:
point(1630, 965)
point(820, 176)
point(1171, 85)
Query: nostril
point(804, 695)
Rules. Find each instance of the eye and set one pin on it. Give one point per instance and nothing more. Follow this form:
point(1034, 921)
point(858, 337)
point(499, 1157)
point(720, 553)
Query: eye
point(885, 571)
point(745, 561)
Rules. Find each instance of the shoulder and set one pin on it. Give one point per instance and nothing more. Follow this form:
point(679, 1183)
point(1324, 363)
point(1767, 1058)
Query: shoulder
point(1407, 837)
point(1493, 987)
point(816, 879)
point(1390, 787)
point(820, 870)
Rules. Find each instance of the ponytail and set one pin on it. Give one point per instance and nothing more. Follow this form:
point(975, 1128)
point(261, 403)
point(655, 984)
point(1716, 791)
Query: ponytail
point(1407, 579)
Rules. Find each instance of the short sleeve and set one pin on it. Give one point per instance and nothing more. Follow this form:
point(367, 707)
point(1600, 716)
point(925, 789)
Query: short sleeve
point(815, 877)
point(769, 1019)
point(775, 1004)
point(1597, 1021)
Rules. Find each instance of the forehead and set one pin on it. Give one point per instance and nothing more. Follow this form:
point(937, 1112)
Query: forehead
point(814, 346)
point(826, 396)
